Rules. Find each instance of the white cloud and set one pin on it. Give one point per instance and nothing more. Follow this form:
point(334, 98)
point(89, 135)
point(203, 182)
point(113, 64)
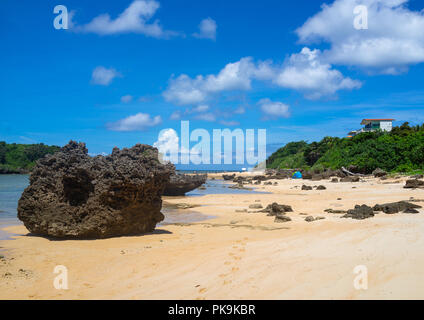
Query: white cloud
point(303, 71)
point(168, 144)
point(240, 110)
point(184, 90)
point(210, 117)
point(274, 109)
point(133, 19)
point(127, 98)
point(137, 122)
point(103, 76)
point(168, 140)
point(229, 123)
point(306, 72)
point(176, 115)
point(201, 108)
point(393, 41)
point(207, 29)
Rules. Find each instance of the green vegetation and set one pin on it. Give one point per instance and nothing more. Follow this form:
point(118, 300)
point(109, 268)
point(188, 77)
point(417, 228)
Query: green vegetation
point(401, 150)
point(15, 158)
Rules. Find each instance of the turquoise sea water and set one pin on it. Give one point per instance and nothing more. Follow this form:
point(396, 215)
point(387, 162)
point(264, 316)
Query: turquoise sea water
point(11, 188)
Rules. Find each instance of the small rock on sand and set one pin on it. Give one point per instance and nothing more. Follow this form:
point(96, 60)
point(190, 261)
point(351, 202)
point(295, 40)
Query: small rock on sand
point(360, 212)
point(282, 218)
point(255, 206)
point(305, 187)
point(395, 207)
point(414, 183)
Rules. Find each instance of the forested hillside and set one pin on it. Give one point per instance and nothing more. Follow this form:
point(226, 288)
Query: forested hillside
point(401, 150)
point(19, 158)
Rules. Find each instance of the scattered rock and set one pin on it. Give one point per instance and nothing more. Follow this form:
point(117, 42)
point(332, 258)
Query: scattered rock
point(305, 187)
point(417, 176)
point(360, 212)
point(180, 184)
point(275, 183)
point(321, 187)
point(379, 173)
point(228, 177)
point(241, 211)
point(275, 208)
point(335, 211)
point(309, 219)
point(239, 186)
point(269, 183)
point(280, 218)
point(307, 175)
point(414, 183)
point(255, 206)
point(334, 180)
point(73, 195)
point(395, 207)
point(317, 177)
point(350, 179)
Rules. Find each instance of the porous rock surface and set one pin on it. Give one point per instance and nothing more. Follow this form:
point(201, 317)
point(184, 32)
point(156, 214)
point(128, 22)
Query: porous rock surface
point(74, 195)
point(180, 184)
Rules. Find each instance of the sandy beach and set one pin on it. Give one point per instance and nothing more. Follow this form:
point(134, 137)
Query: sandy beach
point(238, 255)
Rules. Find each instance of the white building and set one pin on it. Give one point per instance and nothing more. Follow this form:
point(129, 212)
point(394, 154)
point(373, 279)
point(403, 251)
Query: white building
point(373, 125)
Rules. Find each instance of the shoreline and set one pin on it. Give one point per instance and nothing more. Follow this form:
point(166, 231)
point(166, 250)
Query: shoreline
point(238, 255)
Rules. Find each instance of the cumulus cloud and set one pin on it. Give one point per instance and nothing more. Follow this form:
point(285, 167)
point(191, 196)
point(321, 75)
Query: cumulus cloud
point(168, 141)
point(103, 76)
point(134, 19)
point(393, 41)
point(303, 71)
point(137, 122)
point(168, 144)
point(127, 98)
point(176, 115)
point(201, 108)
point(207, 29)
point(229, 123)
point(210, 117)
point(274, 109)
point(306, 72)
point(238, 75)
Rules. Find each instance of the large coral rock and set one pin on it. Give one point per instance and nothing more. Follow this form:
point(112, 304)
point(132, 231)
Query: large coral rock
point(74, 195)
point(180, 184)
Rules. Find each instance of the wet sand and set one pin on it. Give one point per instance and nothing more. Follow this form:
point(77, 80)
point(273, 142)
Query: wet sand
point(238, 255)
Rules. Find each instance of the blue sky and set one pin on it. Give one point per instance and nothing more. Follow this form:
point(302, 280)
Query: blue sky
point(295, 68)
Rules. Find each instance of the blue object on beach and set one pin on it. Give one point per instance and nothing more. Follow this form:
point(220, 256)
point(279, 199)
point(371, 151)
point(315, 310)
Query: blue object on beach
point(297, 175)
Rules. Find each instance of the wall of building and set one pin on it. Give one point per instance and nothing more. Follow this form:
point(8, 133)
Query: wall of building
point(386, 125)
